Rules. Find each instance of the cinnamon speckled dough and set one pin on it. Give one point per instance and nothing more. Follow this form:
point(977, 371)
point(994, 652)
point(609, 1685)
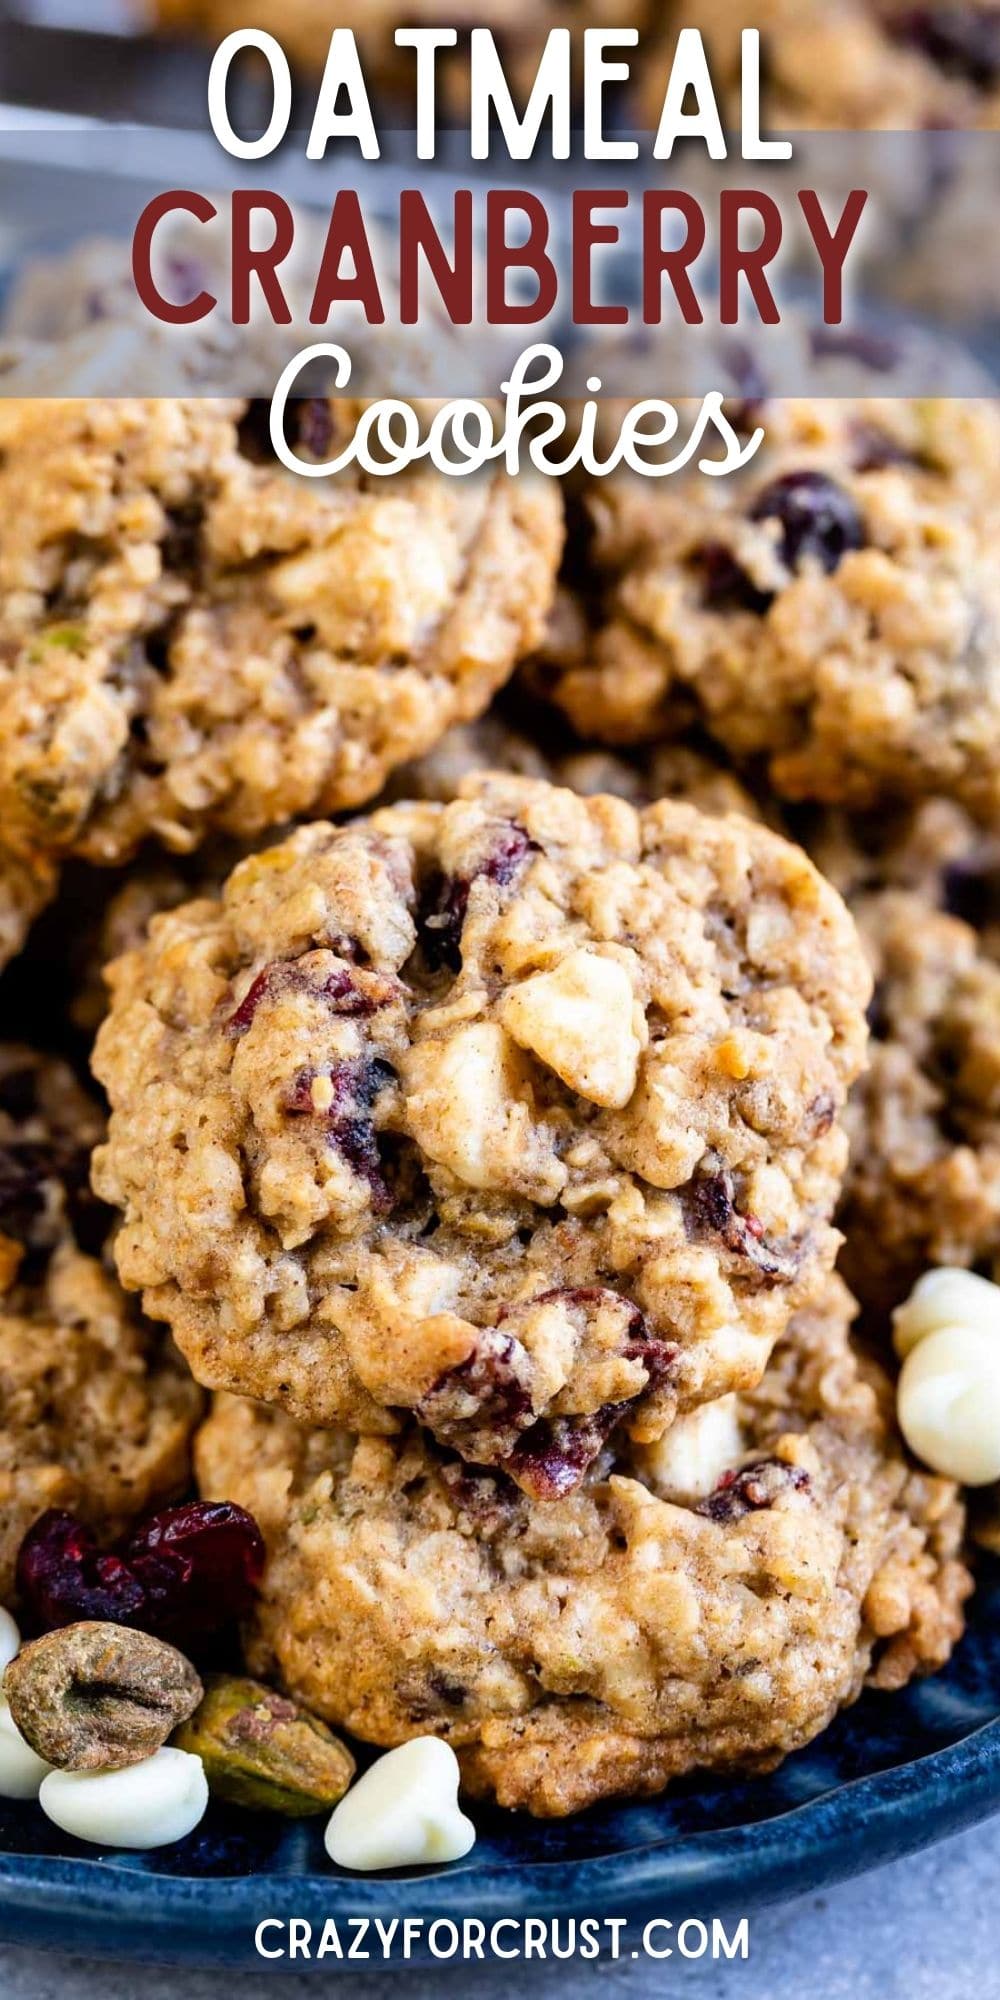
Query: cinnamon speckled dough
point(194, 639)
point(606, 1642)
point(521, 1113)
point(860, 64)
point(834, 609)
point(93, 1416)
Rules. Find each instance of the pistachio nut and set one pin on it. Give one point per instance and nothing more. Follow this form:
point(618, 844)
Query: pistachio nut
point(261, 1750)
point(98, 1697)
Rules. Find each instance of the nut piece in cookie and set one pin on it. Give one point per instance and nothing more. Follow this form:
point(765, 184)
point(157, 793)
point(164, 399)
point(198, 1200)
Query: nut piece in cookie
point(520, 1113)
point(94, 1414)
point(605, 1642)
point(193, 639)
point(833, 609)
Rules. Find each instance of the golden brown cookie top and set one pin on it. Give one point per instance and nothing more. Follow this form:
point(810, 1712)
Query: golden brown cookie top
point(520, 1112)
point(195, 639)
point(609, 1640)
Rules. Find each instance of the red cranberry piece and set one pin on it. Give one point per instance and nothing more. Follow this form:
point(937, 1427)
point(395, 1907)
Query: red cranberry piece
point(314, 426)
point(341, 991)
point(552, 1459)
point(962, 41)
point(182, 1573)
point(62, 1576)
point(818, 519)
point(349, 1126)
point(710, 1210)
point(481, 1406)
point(198, 1565)
point(760, 1485)
point(725, 585)
point(443, 910)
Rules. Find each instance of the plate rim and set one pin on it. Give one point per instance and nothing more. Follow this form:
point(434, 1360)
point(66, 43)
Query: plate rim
point(108, 1910)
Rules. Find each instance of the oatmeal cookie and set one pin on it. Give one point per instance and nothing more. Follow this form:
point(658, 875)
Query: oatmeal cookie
point(521, 1113)
point(859, 65)
point(195, 640)
point(608, 1641)
point(923, 1182)
point(834, 609)
point(924, 1179)
point(94, 1416)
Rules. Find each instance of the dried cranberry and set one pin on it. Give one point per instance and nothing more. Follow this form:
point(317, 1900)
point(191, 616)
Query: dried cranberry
point(62, 1576)
point(349, 1127)
point(818, 519)
point(184, 1572)
point(484, 1401)
point(962, 41)
point(725, 585)
point(444, 906)
point(314, 426)
point(199, 1565)
point(760, 1485)
point(710, 1210)
point(341, 991)
point(554, 1456)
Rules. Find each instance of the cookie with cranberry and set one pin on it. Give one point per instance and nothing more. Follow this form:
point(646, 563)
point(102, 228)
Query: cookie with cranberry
point(94, 1415)
point(696, 1605)
point(195, 640)
point(832, 611)
point(522, 1113)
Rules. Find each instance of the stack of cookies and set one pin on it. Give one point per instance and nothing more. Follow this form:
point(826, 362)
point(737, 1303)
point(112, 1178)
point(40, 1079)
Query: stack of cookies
point(493, 902)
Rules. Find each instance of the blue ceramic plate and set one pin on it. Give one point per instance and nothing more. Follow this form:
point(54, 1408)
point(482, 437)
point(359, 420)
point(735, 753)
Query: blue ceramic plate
point(894, 1773)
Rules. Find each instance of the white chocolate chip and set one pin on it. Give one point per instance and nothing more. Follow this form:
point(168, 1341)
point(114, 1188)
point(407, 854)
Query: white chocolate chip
point(948, 1403)
point(148, 1805)
point(688, 1461)
point(469, 1106)
point(947, 1296)
point(21, 1770)
point(10, 1639)
point(582, 1020)
point(403, 1812)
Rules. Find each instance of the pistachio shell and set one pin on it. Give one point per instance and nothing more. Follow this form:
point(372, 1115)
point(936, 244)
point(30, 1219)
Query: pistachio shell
point(263, 1751)
point(99, 1697)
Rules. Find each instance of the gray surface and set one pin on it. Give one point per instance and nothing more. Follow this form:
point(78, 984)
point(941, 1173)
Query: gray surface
point(923, 1929)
